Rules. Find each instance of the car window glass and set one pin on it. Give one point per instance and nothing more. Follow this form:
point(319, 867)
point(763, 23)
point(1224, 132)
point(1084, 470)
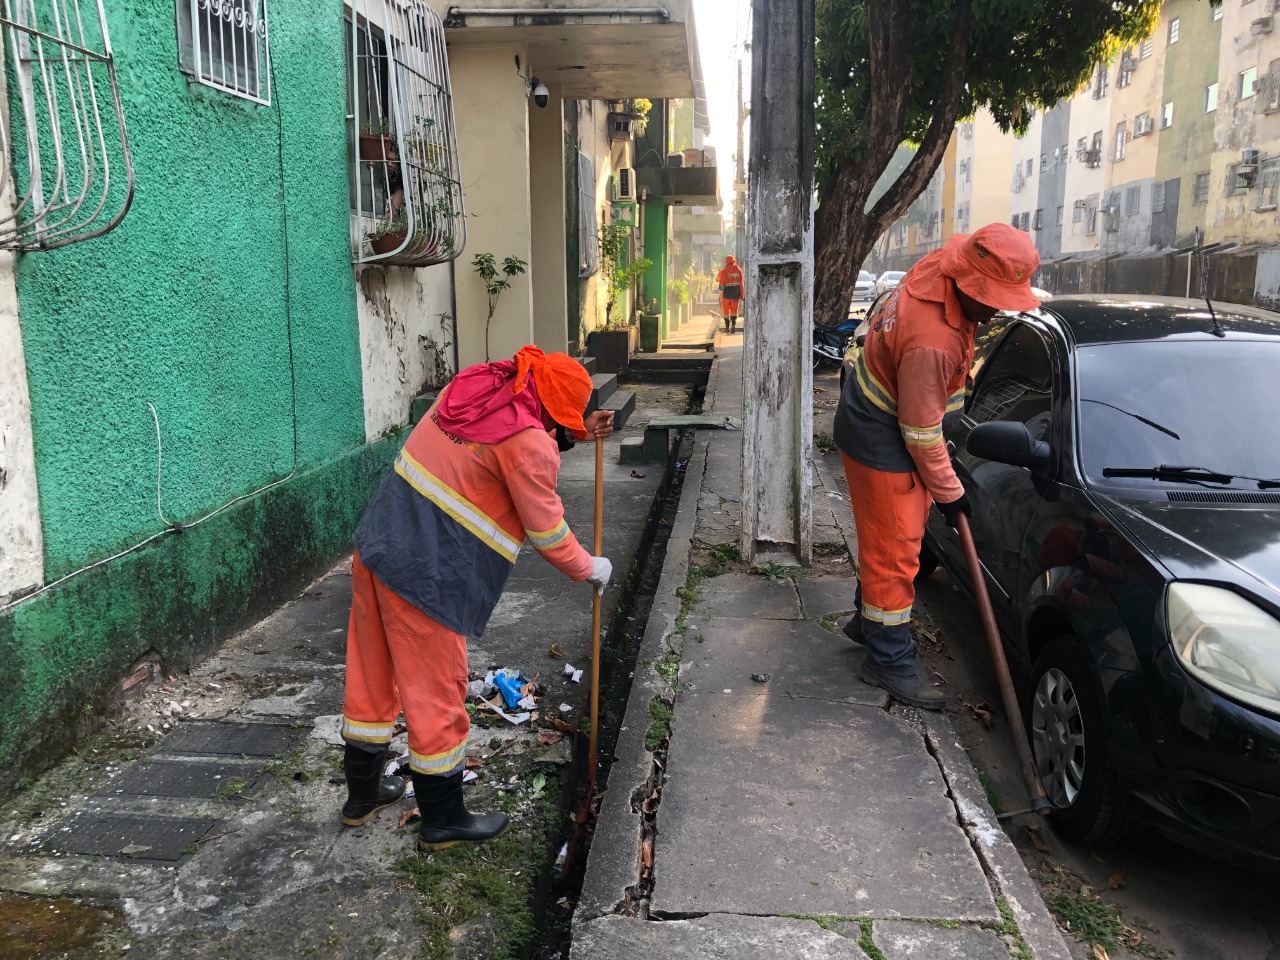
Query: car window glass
point(1016, 383)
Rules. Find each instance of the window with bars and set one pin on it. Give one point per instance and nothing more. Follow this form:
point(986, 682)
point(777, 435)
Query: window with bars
point(588, 219)
point(1059, 216)
point(1091, 216)
point(1037, 222)
point(1235, 183)
point(1025, 220)
point(1268, 182)
point(1268, 87)
point(223, 44)
point(1200, 188)
point(1122, 137)
point(1100, 82)
point(1127, 65)
point(1157, 196)
point(406, 188)
point(1132, 201)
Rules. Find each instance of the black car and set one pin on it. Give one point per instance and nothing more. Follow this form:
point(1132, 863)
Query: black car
point(1122, 456)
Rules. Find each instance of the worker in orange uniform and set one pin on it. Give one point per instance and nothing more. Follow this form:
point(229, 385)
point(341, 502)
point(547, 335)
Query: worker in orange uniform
point(434, 549)
point(730, 280)
point(909, 374)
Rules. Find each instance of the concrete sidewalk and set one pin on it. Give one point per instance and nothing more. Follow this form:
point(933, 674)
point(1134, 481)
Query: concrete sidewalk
point(204, 823)
point(765, 803)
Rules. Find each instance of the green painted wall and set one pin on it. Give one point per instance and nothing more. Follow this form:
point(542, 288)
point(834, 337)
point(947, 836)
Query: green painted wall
point(655, 250)
point(180, 596)
point(1190, 65)
point(189, 303)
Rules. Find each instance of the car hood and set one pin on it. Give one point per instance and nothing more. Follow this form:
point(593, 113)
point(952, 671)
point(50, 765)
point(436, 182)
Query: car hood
point(1232, 543)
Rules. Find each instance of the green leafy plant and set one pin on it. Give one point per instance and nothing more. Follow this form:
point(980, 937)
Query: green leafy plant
point(639, 108)
point(677, 292)
point(620, 277)
point(439, 372)
point(495, 280)
point(376, 128)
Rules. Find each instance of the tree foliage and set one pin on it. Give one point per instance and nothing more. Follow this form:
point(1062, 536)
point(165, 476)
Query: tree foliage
point(895, 71)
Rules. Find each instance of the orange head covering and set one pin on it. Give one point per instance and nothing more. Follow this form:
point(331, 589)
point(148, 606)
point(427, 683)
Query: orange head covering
point(994, 265)
point(729, 261)
point(562, 383)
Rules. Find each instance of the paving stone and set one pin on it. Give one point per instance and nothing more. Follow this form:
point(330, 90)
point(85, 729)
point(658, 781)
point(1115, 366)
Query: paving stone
point(799, 657)
point(779, 805)
point(710, 938)
point(902, 940)
point(747, 596)
point(820, 596)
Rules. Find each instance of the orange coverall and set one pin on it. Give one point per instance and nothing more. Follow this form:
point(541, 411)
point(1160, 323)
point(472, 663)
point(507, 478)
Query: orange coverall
point(730, 275)
point(909, 374)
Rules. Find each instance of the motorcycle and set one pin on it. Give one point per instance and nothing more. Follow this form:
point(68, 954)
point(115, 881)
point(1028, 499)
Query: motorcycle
point(832, 343)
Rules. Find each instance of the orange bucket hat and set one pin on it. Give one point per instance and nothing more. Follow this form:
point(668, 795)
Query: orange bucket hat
point(994, 265)
point(563, 385)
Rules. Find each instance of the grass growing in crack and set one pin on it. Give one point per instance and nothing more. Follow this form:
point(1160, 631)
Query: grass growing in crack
point(668, 667)
point(867, 944)
point(772, 571)
point(1009, 927)
point(659, 724)
point(993, 801)
point(492, 879)
point(824, 442)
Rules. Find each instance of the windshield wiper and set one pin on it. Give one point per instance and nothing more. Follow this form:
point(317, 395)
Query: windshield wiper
point(1129, 413)
point(1181, 474)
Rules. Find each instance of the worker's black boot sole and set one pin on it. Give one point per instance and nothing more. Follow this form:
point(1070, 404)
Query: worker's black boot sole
point(912, 691)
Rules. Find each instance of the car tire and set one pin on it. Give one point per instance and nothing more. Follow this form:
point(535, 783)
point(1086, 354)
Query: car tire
point(928, 562)
point(1067, 725)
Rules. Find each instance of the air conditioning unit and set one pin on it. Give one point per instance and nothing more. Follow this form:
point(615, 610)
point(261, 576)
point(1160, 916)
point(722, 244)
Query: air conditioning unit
point(1249, 158)
point(675, 160)
point(626, 184)
point(1143, 125)
point(1094, 157)
point(1273, 6)
point(1262, 25)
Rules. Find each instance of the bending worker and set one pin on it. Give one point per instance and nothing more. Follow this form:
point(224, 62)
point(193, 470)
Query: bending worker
point(730, 280)
point(433, 552)
point(910, 373)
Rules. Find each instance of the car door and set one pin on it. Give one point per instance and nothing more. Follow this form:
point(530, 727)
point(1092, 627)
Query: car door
point(1013, 381)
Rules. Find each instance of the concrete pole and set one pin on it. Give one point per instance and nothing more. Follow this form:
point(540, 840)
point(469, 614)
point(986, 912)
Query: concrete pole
point(740, 183)
point(777, 449)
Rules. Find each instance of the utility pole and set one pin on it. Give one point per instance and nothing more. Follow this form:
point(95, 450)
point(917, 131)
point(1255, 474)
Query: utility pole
point(777, 448)
point(740, 184)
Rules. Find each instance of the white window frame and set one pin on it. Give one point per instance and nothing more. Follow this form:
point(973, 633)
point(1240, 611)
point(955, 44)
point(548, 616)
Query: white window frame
point(1166, 116)
point(588, 219)
point(1132, 201)
point(1174, 29)
point(1157, 196)
point(1211, 97)
point(1215, 14)
point(1147, 48)
point(225, 44)
point(1122, 137)
point(401, 132)
point(1248, 79)
point(1199, 181)
point(1268, 184)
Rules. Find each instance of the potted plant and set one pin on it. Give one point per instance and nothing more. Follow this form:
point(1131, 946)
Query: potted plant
point(377, 142)
point(638, 108)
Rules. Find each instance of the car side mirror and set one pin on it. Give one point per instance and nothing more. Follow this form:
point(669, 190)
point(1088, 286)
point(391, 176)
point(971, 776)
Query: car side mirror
point(1007, 441)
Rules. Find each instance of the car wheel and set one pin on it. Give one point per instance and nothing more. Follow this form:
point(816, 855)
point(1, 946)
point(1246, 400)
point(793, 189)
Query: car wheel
point(1067, 724)
point(928, 562)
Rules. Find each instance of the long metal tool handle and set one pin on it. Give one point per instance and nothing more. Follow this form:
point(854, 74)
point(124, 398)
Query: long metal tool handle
point(1035, 789)
point(595, 623)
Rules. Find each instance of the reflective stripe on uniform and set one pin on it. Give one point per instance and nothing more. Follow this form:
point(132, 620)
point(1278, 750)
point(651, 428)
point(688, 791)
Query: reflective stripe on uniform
point(956, 401)
point(872, 389)
point(545, 541)
point(367, 732)
point(457, 506)
point(890, 618)
point(921, 436)
point(438, 764)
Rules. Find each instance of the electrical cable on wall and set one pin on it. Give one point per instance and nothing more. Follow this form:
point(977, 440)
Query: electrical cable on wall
point(172, 526)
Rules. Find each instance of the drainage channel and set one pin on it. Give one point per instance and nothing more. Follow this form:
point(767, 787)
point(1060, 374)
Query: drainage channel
point(620, 650)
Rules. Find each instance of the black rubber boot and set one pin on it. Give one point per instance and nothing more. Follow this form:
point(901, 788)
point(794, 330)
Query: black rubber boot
point(853, 630)
point(910, 690)
point(368, 791)
point(445, 817)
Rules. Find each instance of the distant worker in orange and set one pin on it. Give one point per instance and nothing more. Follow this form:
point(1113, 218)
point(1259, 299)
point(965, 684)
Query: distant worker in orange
point(730, 280)
point(909, 374)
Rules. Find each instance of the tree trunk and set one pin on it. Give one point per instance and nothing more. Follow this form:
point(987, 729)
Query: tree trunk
point(844, 229)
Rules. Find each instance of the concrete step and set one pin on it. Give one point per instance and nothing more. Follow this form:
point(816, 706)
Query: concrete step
point(690, 375)
point(699, 346)
point(603, 385)
point(589, 363)
point(672, 359)
point(631, 450)
point(623, 404)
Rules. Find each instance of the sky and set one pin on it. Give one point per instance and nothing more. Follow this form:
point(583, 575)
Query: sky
point(723, 30)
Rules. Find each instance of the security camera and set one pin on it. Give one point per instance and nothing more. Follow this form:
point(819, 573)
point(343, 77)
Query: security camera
point(541, 95)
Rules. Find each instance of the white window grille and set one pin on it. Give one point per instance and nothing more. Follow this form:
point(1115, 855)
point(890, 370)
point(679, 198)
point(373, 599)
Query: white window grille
point(223, 44)
point(1038, 222)
point(1268, 183)
point(1100, 82)
point(1122, 137)
point(1025, 223)
point(1157, 196)
point(1091, 216)
point(56, 146)
point(1268, 88)
point(1111, 215)
point(1174, 26)
point(406, 188)
point(1059, 222)
point(1077, 211)
point(1235, 183)
point(588, 228)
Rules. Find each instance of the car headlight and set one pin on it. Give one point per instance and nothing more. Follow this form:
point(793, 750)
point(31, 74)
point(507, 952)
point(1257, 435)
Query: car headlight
point(1227, 642)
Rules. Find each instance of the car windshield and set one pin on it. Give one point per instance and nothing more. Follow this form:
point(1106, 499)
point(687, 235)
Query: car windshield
point(1189, 403)
point(895, 275)
point(866, 277)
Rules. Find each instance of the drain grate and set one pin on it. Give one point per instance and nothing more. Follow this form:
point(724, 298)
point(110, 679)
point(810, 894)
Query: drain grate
point(174, 778)
point(159, 840)
point(230, 739)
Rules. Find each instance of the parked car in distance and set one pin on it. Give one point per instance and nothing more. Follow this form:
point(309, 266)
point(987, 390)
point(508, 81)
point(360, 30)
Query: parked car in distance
point(888, 280)
point(865, 287)
point(1125, 484)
